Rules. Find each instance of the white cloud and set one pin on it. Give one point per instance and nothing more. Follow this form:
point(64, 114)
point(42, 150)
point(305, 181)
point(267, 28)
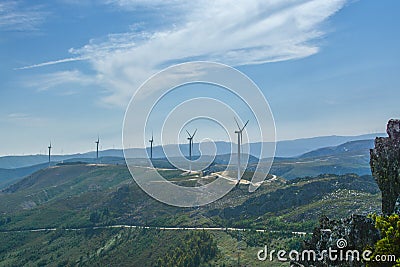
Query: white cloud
point(16, 17)
point(51, 63)
point(23, 119)
point(230, 32)
point(55, 79)
point(17, 116)
point(147, 3)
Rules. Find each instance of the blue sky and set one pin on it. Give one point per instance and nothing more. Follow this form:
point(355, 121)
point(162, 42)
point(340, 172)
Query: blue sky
point(68, 68)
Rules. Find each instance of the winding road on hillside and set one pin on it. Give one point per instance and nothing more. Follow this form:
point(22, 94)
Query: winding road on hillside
point(125, 226)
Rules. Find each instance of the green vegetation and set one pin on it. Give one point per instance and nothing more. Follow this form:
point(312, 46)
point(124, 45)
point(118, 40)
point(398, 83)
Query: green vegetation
point(196, 249)
point(110, 247)
point(389, 227)
point(88, 196)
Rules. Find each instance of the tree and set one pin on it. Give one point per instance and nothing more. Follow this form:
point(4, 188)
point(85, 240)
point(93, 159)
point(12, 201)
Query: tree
point(389, 227)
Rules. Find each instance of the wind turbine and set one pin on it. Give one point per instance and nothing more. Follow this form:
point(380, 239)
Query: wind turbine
point(151, 146)
point(190, 138)
point(97, 148)
point(240, 137)
point(49, 147)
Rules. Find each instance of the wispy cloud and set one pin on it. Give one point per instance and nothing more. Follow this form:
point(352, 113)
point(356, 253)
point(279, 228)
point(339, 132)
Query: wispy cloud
point(51, 63)
point(17, 116)
point(52, 80)
point(147, 3)
point(23, 119)
point(230, 32)
point(16, 17)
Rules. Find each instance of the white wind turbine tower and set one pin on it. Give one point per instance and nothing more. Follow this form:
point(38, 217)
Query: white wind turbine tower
point(49, 147)
point(97, 149)
point(151, 146)
point(190, 138)
point(240, 138)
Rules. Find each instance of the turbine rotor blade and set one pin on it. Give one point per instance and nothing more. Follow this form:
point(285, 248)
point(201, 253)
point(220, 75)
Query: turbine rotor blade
point(188, 133)
point(245, 125)
point(237, 123)
point(194, 133)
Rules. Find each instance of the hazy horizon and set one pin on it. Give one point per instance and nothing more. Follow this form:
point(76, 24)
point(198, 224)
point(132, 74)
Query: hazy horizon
point(158, 145)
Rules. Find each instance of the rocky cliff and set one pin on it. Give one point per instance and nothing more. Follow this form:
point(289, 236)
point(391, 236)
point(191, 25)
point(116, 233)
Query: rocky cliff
point(385, 165)
point(341, 237)
point(358, 232)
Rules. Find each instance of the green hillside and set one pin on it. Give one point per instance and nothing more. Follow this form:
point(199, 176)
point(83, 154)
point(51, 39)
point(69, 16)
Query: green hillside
point(77, 202)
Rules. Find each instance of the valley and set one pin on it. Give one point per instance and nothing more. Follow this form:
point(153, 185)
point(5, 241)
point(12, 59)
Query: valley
point(101, 210)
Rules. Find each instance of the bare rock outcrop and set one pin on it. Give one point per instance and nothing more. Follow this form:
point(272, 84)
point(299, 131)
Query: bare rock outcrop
point(359, 232)
point(385, 166)
point(355, 232)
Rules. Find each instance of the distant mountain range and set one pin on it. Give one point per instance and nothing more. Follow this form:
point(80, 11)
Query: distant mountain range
point(348, 157)
point(352, 148)
point(288, 148)
point(294, 148)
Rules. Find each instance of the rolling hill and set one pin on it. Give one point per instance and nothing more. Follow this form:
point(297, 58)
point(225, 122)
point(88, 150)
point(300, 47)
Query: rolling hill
point(350, 157)
point(354, 148)
point(9, 176)
point(90, 198)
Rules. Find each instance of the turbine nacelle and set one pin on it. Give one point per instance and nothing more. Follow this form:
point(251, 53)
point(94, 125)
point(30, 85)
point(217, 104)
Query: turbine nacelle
point(240, 128)
point(191, 135)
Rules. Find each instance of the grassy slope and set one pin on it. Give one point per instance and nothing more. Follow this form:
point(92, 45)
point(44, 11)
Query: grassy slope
point(87, 195)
